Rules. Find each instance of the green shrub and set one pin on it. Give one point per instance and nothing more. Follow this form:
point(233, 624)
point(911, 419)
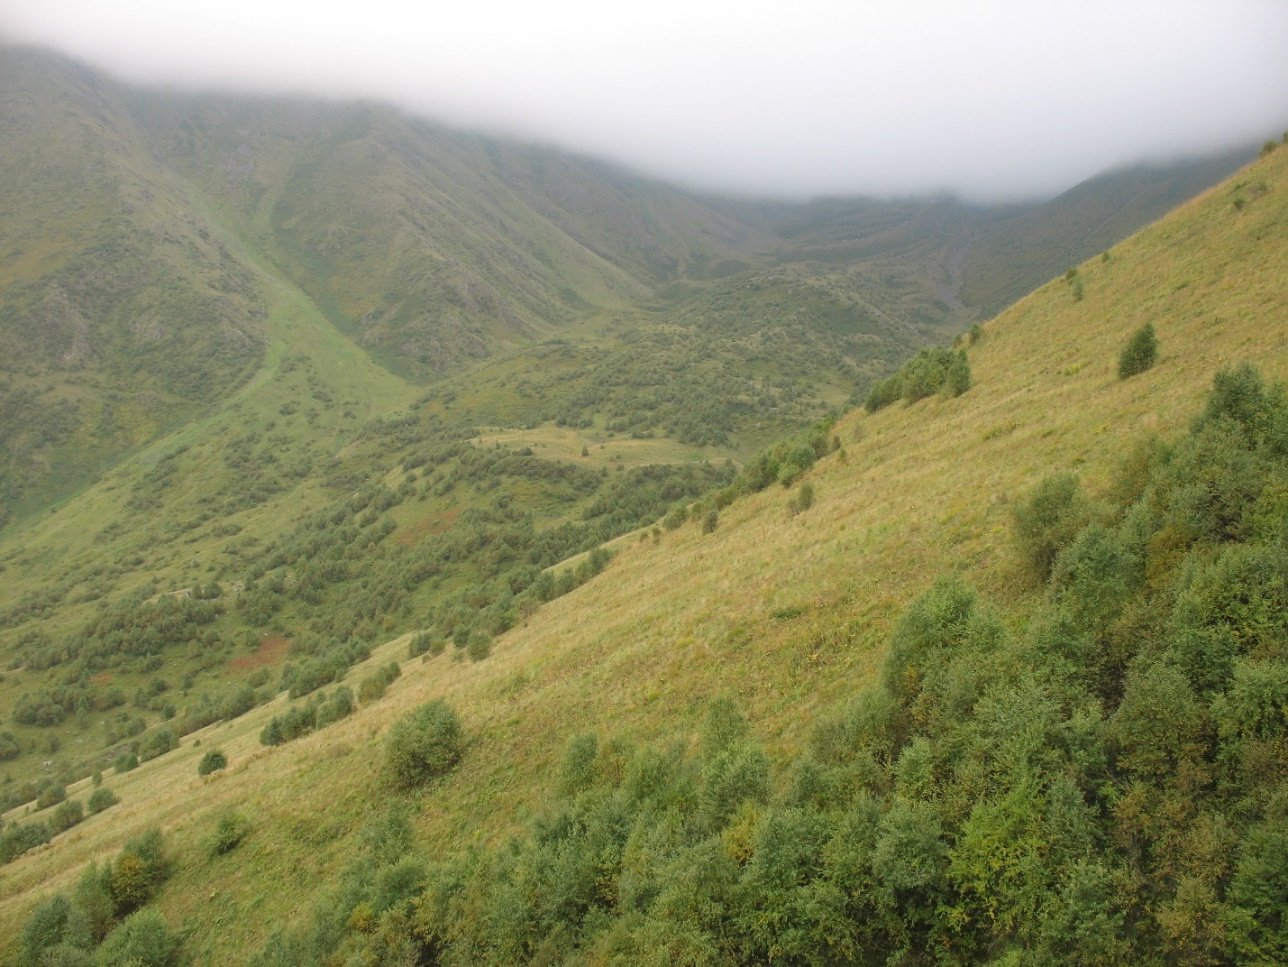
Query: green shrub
point(803, 499)
point(50, 795)
point(710, 521)
point(423, 745)
point(100, 799)
point(67, 815)
point(1047, 521)
point(9, 747)
point(141, 940)
point(137, 871)
point(158, 743)
point(16, 840)
point(1140, 352)
point(957, 380)
point(229, 832)
point(212, 761)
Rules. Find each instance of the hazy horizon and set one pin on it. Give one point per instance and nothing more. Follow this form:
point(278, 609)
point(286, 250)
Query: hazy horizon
point(986, 101)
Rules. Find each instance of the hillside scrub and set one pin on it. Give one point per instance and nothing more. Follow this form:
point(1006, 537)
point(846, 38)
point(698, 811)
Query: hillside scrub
point(105, 920)
point(931, 371)
point(1105, 785)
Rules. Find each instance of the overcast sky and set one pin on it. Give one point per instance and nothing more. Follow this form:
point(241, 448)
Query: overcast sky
point(988, 98)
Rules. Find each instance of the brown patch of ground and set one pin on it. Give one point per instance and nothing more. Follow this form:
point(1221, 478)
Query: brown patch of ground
point(102, 678)
point(434, 524)
point(272, 649)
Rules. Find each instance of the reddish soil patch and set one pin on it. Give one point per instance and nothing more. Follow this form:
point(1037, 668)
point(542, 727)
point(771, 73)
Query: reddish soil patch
point(102, 678)
point(272, 649)
point(428, 527)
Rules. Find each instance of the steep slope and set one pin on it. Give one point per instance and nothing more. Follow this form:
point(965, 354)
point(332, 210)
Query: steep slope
point(787, 614)
point(1011, 256)
point(121, 311)
point(432, 246)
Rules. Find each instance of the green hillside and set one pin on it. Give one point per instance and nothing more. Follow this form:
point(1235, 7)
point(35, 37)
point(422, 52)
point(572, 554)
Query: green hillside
point(978, 780)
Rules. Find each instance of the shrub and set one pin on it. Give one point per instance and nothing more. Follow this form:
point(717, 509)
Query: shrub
point(803, 499)
point(143, 940)
point(1049, 520)
point(957, 380)
point(67, 815)
point(212, 761)
point(101, 798)
point(16, 840)
point(229, 832)
point(137, 871)
point(710, 521)
point(51, 795)
point(9, 747)
point(1140, 352)
point(423, 745)
point(158, 743)
point(127, 762)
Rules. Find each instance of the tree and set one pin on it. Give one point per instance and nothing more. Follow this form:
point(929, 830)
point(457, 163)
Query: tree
point(423, 745)
point(1140, 352)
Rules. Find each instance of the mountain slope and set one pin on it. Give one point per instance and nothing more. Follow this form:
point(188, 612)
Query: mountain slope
point(121, 312)
point(787, 614)
point(1007, 258)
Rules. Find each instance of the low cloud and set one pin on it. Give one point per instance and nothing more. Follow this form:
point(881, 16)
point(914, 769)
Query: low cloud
point(991, 100)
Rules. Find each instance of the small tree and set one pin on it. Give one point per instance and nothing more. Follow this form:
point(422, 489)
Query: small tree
point(102, 798)
point(1140, 352)
point(212, 761)
point(423, 745)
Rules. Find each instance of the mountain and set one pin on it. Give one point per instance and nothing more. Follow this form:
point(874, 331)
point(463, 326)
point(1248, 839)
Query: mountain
point(935, 750)
point(1088, 218)
point(147, 237)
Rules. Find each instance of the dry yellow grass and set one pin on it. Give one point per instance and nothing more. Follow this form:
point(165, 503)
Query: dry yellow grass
point(918, 491)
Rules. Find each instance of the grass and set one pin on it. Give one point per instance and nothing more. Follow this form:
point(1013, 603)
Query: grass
point(918, 491)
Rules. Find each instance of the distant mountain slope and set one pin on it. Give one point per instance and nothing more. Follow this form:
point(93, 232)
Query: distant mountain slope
point(430, 246)
point(1011, 256)
point(120, 308)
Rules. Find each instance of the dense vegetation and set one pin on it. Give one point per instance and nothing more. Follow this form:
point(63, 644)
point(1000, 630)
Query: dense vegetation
point(1105, 784)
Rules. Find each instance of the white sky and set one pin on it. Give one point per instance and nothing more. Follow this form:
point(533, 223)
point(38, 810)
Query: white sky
point(989, 98)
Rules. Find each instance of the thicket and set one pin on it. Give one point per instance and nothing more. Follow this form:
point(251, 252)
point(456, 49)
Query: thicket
point(105, 920)
point(317, 713)
point(1108, 784)
point(931, 371)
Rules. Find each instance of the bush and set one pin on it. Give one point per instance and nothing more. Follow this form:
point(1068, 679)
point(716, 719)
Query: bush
point(51, 795)
point(710, 521)
point(137, 872)
point(423, 745)
point(1140, 352)
point(9, 747)
point(142, 940)
point(229, 832)
point(102, 798)
point(212, 761)
point(67, 815)
point(158, 743)
point(1048, 521)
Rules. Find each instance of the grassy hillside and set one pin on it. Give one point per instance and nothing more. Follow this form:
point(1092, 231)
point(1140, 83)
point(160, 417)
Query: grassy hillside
point(787, 614)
